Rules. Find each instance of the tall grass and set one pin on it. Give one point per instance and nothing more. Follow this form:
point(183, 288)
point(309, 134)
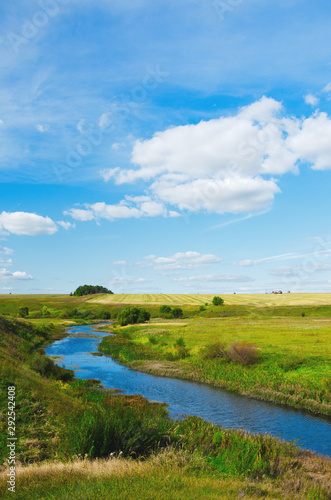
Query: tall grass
point(76, 422)
point(284, 361)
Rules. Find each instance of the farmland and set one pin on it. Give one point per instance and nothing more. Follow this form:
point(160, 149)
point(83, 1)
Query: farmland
point(253, 300)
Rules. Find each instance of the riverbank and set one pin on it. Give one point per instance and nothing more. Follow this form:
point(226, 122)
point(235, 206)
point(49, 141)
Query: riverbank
point(191, 456)
point(292, 365)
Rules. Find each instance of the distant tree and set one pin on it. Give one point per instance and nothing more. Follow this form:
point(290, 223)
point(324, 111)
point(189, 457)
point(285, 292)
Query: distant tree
point(23, 312)
point(105, 315)
point(176, 312)
point(217, 301)
point(165, 309)
point(90, 290)
point(132, 315)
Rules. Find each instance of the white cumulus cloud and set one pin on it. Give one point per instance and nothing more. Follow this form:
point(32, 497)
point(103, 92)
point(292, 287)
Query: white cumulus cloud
point(6, 275)
point(131, 207)
point(24, 223)
point(228, 164)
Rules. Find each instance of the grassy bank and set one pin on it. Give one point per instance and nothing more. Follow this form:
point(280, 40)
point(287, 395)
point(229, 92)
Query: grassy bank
point(59, 419)
point(168, 474)
point(79, 440)
point(292, 366)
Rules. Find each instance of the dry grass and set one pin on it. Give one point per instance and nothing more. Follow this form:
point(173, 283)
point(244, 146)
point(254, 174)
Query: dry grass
point(161, 369)
point(94, 468)
point(168, 474)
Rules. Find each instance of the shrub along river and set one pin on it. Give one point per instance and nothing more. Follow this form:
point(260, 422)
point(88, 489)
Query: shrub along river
point(191, 398)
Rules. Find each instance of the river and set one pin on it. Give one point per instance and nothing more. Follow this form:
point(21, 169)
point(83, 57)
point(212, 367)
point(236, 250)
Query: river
point(191, 398)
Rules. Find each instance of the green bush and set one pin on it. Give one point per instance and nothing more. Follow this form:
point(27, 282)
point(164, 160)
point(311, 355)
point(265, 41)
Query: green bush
point(116, 428)
point(181, 349)
point(216, 350)
point(165, 309)
point(176, 312)
point(45, 366)
point(44, 311)
point(88, 315)
point(23, 312)
point(218, 301)
point(202, 308)
point(132, 315)
point(105, 315)
point(243, 353)
point(233, 452)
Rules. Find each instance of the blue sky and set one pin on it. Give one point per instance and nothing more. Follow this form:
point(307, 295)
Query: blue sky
point(166, 147)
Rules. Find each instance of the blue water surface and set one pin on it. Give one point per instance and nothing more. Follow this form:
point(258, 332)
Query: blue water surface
point(191, 398)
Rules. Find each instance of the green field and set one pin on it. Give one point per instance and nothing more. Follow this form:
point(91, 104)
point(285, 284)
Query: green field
point(294, 354)
point(152, 456)
point(254, 300)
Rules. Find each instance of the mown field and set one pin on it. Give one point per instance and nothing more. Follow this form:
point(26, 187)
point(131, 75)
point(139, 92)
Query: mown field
point(254, 300)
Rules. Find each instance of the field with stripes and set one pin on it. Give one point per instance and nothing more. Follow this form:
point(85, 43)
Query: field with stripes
point(257, 300)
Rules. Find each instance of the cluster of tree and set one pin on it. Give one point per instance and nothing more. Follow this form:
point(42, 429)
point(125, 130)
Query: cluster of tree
point(90, 290)
point(131, 315)
point(167, 312)
point(23, 312)
point(86, 314)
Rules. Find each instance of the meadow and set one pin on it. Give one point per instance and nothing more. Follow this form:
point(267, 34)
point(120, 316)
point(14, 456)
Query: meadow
point(127, 446)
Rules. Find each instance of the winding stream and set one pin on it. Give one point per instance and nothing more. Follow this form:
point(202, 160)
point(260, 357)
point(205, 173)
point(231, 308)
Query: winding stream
point(191, 398)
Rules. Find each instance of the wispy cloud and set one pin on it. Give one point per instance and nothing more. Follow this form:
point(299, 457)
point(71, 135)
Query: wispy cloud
point(285, 256)
point(180, 260)
point(215, 278)
point(311, 100)
point(131, 207)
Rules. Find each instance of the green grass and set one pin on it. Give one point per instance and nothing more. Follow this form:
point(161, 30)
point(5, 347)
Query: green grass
point(169, 474)
point(61, 421)
point(293, 365)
